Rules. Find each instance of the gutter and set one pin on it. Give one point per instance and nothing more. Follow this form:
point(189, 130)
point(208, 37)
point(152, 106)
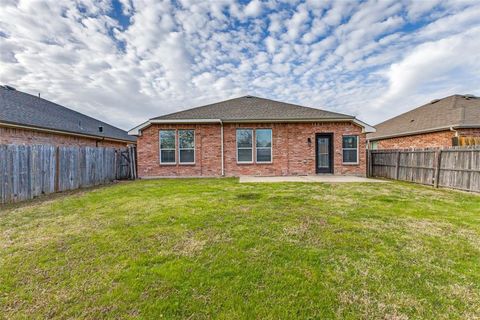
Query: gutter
point(456, 132)
point(412, 133)
point(137, 130)
point(365, 127)
point(19, 126)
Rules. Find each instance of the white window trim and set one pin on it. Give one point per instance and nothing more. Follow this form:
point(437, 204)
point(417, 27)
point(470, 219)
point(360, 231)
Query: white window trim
point(358, 142)
point(271, 146)
point(160, 147)
point(194, 145)
point(243, 148)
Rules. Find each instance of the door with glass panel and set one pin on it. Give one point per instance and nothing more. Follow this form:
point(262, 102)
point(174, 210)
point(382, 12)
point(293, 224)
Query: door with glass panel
point(324, 153)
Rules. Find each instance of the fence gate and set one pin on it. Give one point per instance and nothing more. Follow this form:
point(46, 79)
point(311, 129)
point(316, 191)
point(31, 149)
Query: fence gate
point(30, 171)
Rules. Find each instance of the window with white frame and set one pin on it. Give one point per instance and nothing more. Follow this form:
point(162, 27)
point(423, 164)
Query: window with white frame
point(167, 146)
point(263, 145)
point(186, 146)
point(244, 145)
point(350, 149)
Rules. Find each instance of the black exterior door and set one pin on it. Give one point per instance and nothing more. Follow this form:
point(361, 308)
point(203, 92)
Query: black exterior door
point(324, 152)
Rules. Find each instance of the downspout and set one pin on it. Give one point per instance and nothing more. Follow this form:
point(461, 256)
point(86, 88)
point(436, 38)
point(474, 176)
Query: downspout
point(457, 139)
point(456, 132)
point(221, 148)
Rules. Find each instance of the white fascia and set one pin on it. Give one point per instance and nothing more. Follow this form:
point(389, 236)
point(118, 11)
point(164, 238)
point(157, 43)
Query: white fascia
point(137, 131)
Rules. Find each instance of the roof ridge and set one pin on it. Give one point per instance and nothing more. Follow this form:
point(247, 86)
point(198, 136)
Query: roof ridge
point(195, 108)
point(297, 105)
point(453, 110)
point(414, 109)
point(64, 107)
point(254, 97)
point(19, 107)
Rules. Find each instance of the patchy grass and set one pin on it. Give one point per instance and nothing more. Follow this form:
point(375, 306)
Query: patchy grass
point(213, 248)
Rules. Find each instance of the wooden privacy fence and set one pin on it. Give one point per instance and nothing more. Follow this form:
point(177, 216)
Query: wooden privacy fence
point(30, 171)
point(457, 168)
point(466, 141)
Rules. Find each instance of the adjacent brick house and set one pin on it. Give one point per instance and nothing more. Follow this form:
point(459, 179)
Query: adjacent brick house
point(27, 119)
point(451, 121)
point(251, 136)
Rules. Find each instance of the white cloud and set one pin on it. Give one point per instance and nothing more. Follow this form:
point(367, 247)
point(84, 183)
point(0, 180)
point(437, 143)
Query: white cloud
point(417, 9)
point(275, 23)
point(318, 28)
point(271, 44)
point(254, 8)
point(297, 24)
point(363, 58)
point(435, 68)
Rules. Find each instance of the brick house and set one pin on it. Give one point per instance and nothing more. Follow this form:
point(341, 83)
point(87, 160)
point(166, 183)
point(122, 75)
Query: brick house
point(251, 136)
point(27, 119)
point(447, 122)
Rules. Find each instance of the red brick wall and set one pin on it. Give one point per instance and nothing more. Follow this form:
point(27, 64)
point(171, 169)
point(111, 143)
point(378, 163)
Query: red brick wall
point(473, 132)
point(292, 155)
point(24, 136)
point(426, 140)
point(207, 152)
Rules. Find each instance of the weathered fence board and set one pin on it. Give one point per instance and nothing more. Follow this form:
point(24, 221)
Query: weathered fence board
point(457, 168)
point(27, 172)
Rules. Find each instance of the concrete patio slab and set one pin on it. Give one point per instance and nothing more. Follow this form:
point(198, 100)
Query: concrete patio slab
point(320, 178)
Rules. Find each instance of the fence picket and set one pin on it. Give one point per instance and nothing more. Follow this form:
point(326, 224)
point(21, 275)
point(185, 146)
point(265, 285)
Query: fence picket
point(27, 172)
point(457, 168)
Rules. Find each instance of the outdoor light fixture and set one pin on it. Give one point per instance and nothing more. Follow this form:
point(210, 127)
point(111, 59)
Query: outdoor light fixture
point(309, 141)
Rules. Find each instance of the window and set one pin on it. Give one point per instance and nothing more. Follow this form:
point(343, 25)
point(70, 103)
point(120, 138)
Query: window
point(245, 145)
point(263, 145)
point(167, 146)
point(350, 149)
point(186, 146)
point(374, 145)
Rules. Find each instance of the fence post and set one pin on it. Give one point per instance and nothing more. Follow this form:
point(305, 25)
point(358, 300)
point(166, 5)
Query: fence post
point(115, 164)
point(369, 159)
point(397, 165)
point(134, 153)
point(438, 159)
point(130, 158)
point(57, 169)
point(470, 174)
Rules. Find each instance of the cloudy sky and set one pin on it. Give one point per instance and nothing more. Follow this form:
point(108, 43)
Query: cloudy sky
point(124, 61)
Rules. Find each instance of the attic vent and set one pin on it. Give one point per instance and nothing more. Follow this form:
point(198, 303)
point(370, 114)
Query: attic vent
point(434, 101)
point(100, 129)
point(412, 120)
point(469, 96)
point(9, 88)
point(249, 97)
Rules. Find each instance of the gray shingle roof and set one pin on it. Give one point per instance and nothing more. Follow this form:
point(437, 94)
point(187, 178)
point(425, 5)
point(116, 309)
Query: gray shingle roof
point(21, 108)
point(253, 108)
point(456, 111)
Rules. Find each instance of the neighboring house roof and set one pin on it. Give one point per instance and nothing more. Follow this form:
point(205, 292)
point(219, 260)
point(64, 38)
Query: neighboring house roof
point(457, 111)
point(22, 109)
point(250, 109)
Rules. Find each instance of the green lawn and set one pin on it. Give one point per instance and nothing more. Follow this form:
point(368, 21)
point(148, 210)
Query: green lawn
point(214, 248)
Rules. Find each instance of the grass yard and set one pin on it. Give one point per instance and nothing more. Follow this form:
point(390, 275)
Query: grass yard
point(214, 248)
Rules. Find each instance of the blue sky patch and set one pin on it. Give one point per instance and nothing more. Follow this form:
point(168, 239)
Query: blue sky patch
point(371, 59)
